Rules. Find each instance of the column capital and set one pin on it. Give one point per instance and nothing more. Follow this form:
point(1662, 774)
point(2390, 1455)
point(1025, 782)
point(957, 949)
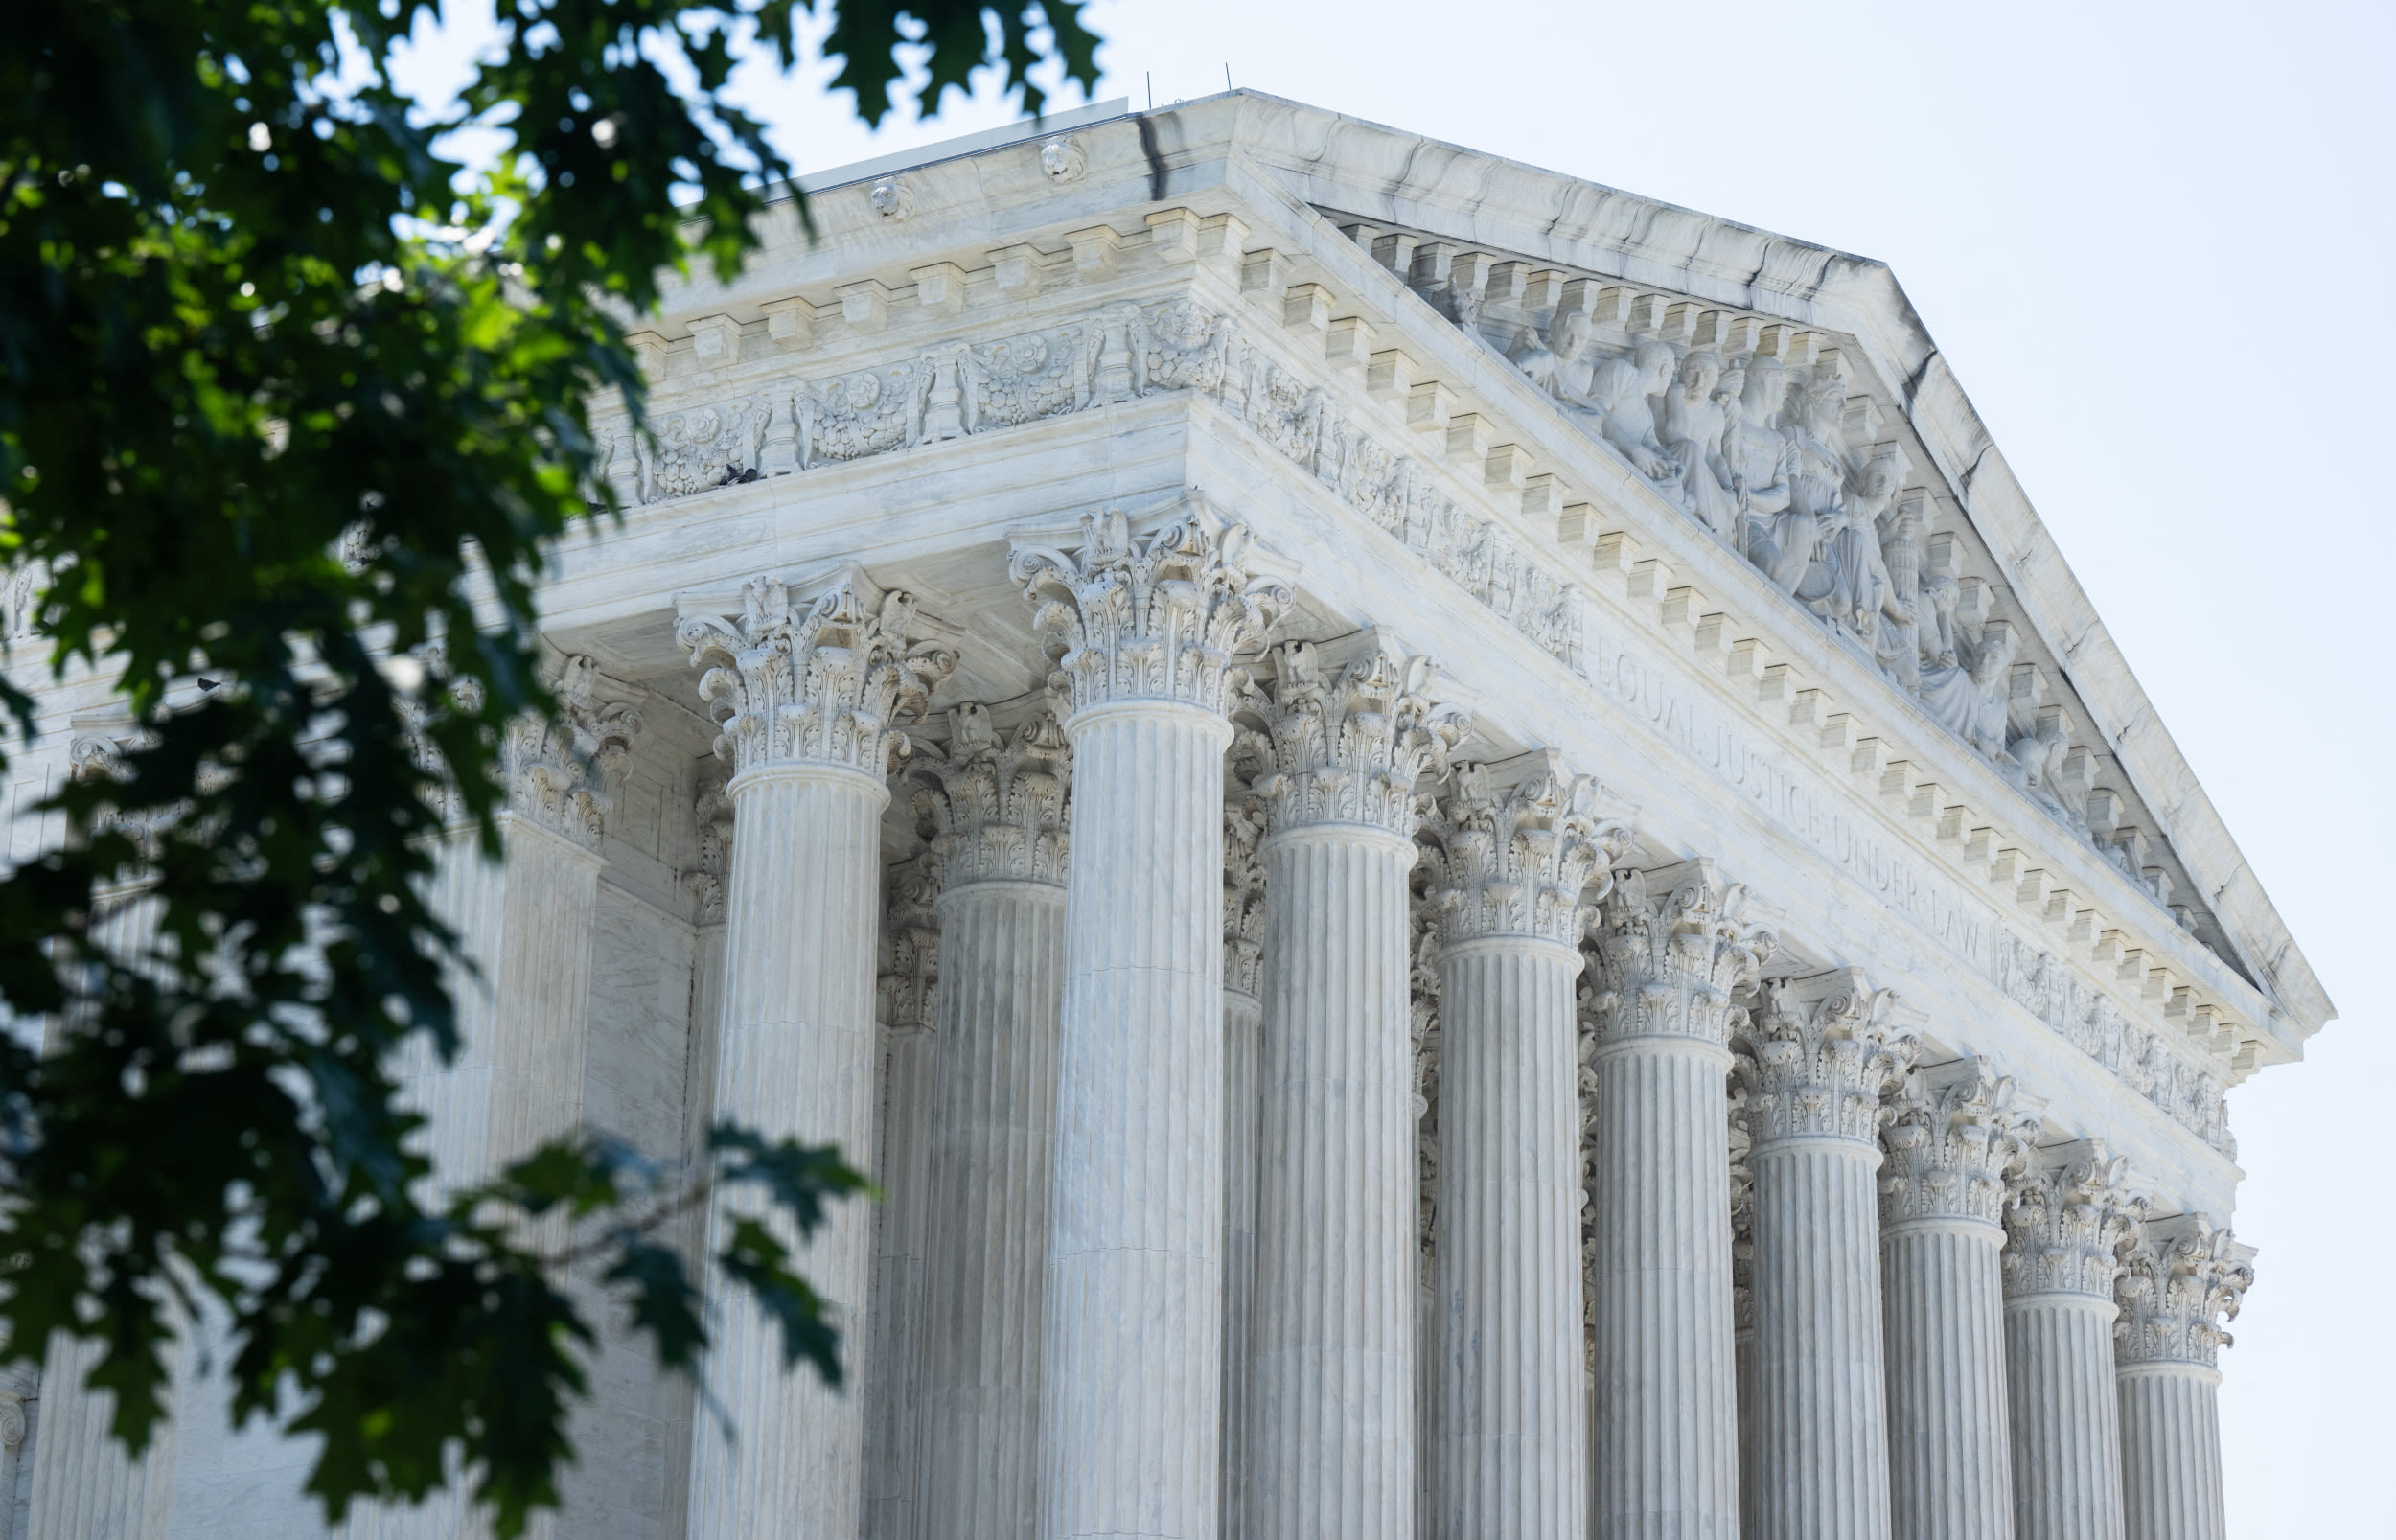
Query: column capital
point(2066, 1216)
point(2181, 1279)
point(993, 802)
point(1954, 1132)
point(822, 672)
point(1513, 848)
point(910, 978)
point(1342, 730)
point(1243, 899)
point(1816, 1058)
point(1148, 617)
point(558, 769)
point(1670, 948)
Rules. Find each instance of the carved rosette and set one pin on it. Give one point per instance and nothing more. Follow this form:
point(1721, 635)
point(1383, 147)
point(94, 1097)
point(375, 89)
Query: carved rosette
point(2065, 1221)
point(1667, 957)
point(1157, 617)
point(1518, 862)
point(1952, 1137)
point(1344, 746)
point(557, 771)
point(910, 944)
point(992, 804)
point(1243, 899)
point(828, 682)
point(2175, 1291)
point(1814, 1062)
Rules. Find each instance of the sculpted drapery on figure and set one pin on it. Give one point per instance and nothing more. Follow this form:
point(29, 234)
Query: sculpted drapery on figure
point(1764, 457)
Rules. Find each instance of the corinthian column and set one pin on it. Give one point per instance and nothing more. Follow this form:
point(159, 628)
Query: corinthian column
point(1814, 1062)
point(1955, 1134)
point(525, 920)
point(1144, 632)
point(2178, 1281)
point(2064, 1224)
point(910, 1057)
point(1669, 950)
point(996, 804)
point(1509, 867)
point(810, 690)
point(1244, 921)
point(1338, 746)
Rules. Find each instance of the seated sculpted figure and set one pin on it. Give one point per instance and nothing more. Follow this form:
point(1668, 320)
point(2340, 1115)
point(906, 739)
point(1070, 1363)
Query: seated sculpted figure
point(1553, 364)
point(1619, 391)
point(1970, 700)
point(1694, 416)
point(1849, 584)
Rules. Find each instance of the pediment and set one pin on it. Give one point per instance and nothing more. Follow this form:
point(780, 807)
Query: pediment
point(1452, 346)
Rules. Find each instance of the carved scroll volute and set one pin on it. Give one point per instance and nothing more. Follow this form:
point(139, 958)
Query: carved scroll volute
point(1956, 1134)
point(1153, 617)
point(2181, 1280)
point(993, 804)
point(1518, 861)
point(2067, 1218)
point(1671, 949)
point(828, 680)
point(1816, 1058)
point(1332, 741)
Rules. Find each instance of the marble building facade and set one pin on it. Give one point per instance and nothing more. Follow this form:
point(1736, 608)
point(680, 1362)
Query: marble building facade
point(1465, 859)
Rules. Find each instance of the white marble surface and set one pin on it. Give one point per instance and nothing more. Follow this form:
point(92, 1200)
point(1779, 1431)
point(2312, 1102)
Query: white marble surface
point(1326, 375)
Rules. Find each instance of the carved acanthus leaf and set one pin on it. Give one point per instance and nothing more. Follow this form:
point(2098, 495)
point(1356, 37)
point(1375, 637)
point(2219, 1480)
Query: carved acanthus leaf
point(1154, 618)
point(1669, 950)
point(558, 770)
point(1815, 1059)
point(993, 804)
point(1955, 1132)
point(1346, 744)
point(1243, 898)
point(910, 947)
point(1519, 861)
point(2180, 1280)
point(829, 680)
point(2065, 1220)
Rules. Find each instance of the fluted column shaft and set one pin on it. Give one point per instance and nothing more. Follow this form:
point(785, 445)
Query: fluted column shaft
point(1130, 1398)
point(2065, 1418)
point(895, 1323)
point(1667, 1443)
point(1512, 1452)
point(516, 1078)
point(1331, 1450)
point(1001, 980)
point(83, 1485)
point(1243, 1034)
point(1821, 1427)
point(2171, 1451)
point(795, 1057)
point(1951, 1469)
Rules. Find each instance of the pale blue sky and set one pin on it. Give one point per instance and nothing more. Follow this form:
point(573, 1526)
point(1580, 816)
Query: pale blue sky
point(2151, 240)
